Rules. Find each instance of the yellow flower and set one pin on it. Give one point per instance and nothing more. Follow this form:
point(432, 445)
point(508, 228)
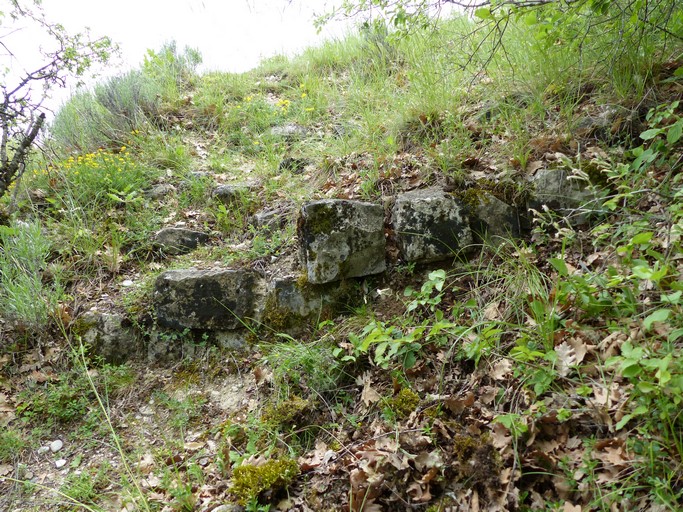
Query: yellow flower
point(123, 149)
point(303, 94)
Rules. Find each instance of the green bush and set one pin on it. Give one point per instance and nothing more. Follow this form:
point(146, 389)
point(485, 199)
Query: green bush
point(24, 297)
point(123, 104)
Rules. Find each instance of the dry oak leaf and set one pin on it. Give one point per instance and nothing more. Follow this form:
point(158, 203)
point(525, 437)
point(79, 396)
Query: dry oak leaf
point(566, 358)
point(368, 395)
point(501, 369)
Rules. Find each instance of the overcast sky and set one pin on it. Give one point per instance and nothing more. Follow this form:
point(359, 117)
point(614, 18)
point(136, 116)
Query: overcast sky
point(232, 35)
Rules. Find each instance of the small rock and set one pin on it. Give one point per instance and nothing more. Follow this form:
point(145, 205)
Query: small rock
point(56, 445)
point(289, 131)
point(42, 450)
point(180, 240)
point(110, 336)
point(227, 508)
point(269, 220)
point(160, 191)
point(295, 165)
point(127, 283)
point(235, 193)
point(60, 463)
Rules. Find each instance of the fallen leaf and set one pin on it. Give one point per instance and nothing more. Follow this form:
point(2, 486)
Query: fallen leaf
point(566, 358)
point(458, 405)
point(501, 369)
point(431, 460)
point(368, 395)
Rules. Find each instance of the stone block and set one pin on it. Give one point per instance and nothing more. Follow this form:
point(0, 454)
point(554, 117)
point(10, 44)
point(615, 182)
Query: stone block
point(215, 299)
point(492, 219)
point(430, 225)
point(554, 189)
point(341, 239)
point(180, 240)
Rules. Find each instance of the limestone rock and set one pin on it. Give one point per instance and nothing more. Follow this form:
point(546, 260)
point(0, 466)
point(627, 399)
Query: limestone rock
point(341, 239)
point(430, 225)
point(554, 189)
point(290, 131)
point(215, 299)
point(291, 305)
point(160, 191)
point(234, 193)
point(109, 336)
point(180, 240)
point(269, 220)
point(493, 219)
point(294, 165)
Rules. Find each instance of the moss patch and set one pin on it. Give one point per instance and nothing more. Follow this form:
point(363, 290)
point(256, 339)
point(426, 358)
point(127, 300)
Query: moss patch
point(249, 481)
point(404, 403)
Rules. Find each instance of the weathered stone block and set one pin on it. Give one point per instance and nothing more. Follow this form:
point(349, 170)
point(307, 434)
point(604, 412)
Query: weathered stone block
point(430, 225)
point(207, 299)
point(290, 304)
point(180, 240)
point(492, 219)
point(109, 336)
point(554, 189)
point(340, 239)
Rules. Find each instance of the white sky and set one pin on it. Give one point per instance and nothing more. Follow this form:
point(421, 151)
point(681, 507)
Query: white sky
point(232, 35)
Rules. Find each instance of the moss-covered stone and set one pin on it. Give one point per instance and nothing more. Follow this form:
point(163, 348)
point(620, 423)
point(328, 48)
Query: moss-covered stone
point(249, 481)
point(340, 239)
point(477, 459)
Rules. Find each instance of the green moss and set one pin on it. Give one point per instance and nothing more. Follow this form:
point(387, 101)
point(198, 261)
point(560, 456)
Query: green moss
point(473, 197)
point(404, 403)
point(82, 325)
point(477, 460)
point(508, 192)
point(325, 219)
point(276, 318)
point(284, 413)
point(249, 481)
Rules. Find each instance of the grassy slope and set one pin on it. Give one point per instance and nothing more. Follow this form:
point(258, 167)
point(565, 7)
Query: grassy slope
point(544, 373)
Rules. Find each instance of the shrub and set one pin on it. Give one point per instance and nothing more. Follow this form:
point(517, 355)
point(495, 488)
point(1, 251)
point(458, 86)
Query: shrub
point(24, 297)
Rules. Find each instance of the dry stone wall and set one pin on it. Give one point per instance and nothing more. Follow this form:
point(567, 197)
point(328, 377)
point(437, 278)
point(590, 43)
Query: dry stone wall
point(339, 241)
